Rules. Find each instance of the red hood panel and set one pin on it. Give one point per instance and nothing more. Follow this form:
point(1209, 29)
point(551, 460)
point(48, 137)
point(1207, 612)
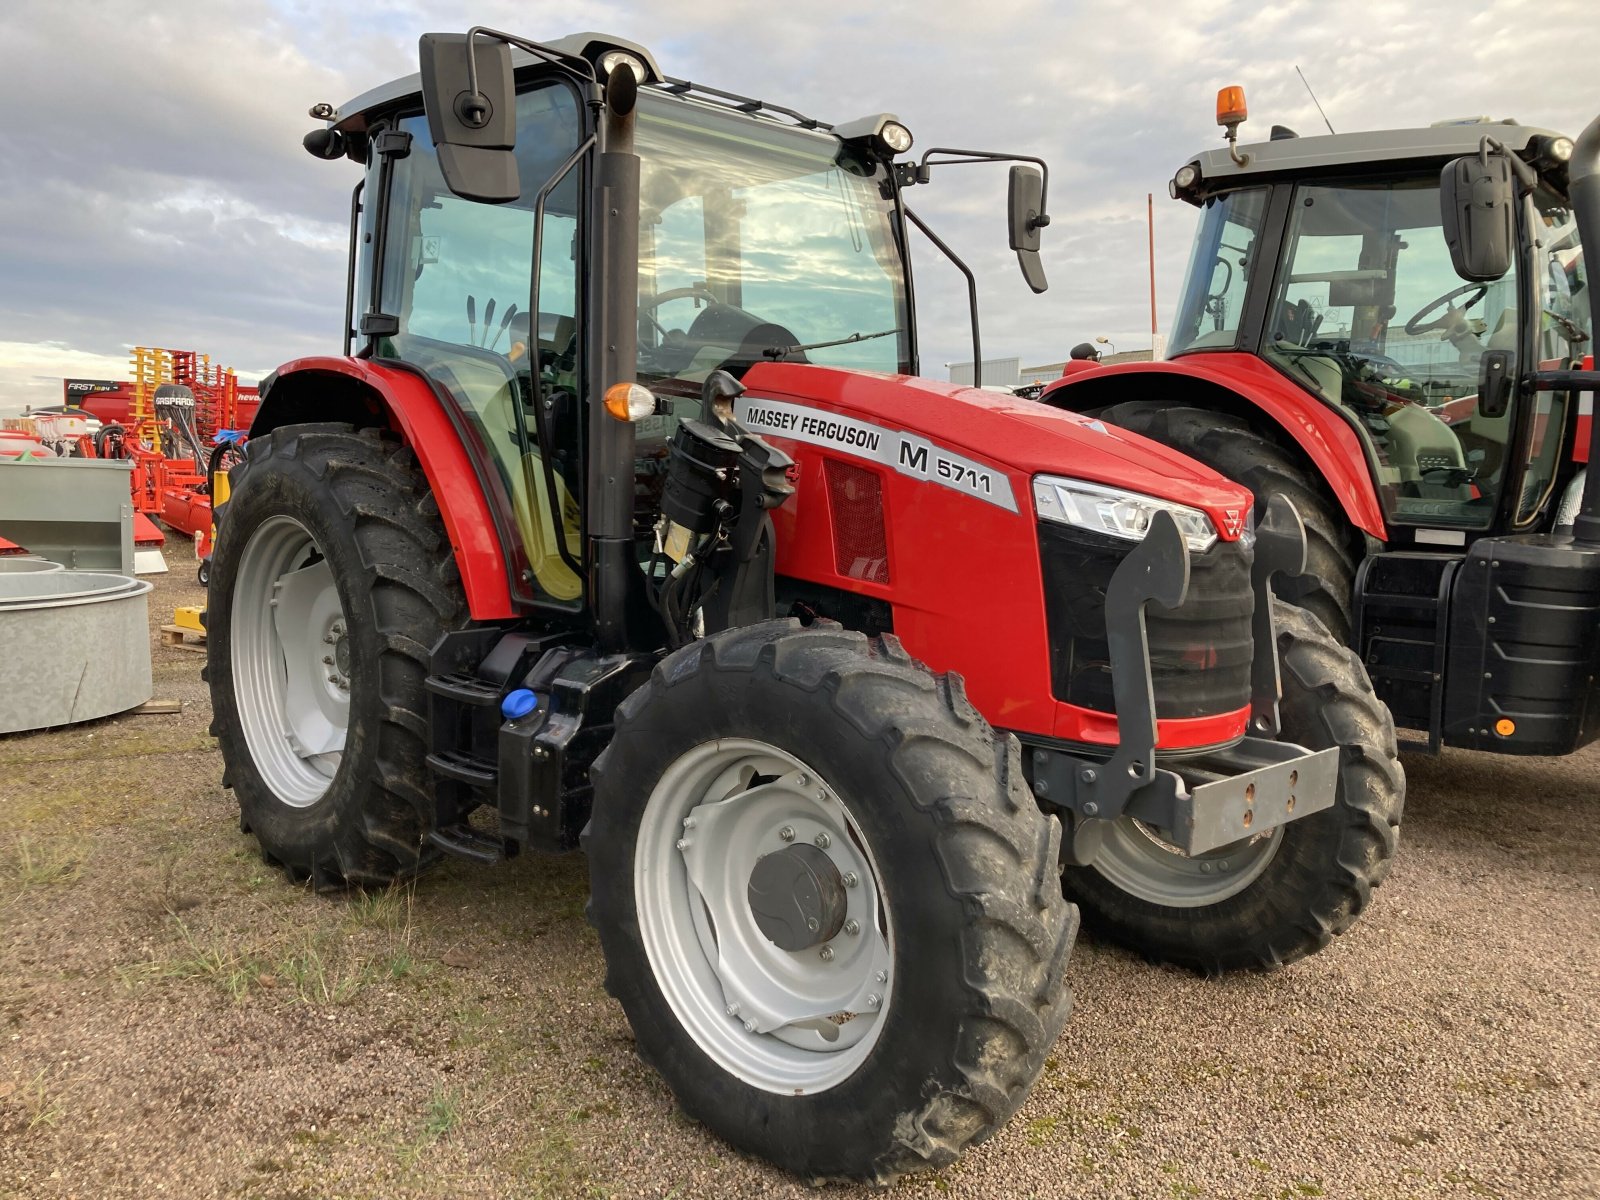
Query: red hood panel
point(1004, 431)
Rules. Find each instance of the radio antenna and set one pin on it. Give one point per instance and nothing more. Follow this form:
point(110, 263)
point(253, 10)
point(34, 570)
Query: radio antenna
point(1314, 100)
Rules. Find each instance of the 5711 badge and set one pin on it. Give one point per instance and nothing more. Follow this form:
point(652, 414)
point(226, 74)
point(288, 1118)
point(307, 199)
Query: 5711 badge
point(906, 453)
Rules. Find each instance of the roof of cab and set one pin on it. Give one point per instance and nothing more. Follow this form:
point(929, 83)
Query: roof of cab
point(352, 115)
point(1303, 155)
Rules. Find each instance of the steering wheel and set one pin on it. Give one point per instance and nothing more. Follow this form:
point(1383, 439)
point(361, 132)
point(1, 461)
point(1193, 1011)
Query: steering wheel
point(648, 307)
point(682, 293)
point(1415, 324)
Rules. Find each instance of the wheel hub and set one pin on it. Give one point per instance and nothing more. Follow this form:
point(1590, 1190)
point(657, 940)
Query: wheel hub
point(797, 896)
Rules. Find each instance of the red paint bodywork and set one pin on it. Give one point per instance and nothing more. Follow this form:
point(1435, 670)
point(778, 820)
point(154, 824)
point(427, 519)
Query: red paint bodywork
point(966, 583)
point(415, 413)
point(1326, 437)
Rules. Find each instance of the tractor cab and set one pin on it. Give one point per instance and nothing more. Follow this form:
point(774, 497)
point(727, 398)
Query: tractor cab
point(1328, 259)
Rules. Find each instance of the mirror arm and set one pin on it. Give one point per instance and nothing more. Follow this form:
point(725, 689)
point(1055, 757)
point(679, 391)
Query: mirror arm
point(575, 63)
point(972, 292)
point(968, 157)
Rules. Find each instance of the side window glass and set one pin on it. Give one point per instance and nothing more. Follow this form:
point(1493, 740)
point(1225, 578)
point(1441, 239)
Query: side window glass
point(1212, 302)
point(458, 277)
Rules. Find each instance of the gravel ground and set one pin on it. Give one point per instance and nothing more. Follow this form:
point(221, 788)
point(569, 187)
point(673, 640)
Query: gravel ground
point(175, 1019)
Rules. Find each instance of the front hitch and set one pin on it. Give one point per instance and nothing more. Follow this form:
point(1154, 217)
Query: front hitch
point(1209, 801)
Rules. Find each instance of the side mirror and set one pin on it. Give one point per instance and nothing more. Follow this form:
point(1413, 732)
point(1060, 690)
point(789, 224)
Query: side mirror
point(1024, 202)
point(1478, 204)
point(474, 131)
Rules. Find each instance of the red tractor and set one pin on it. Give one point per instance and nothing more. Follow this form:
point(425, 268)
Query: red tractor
point(1395, 331)
point(627, 524)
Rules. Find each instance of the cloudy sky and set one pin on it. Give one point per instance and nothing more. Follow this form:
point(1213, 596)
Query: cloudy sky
point(154, 190)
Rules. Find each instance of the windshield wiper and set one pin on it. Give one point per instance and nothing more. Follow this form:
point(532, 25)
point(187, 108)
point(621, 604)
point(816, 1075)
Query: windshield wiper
point(781, 352)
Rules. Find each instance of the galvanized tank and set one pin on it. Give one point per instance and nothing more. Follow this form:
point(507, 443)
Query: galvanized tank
point(76, 646)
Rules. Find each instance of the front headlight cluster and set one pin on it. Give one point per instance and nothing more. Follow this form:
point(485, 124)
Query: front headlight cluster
point(1115, 512)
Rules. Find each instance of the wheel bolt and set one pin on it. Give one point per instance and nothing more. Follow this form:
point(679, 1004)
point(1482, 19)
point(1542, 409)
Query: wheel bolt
point(786, 833)
point(873, 1000)
point(1205, 868)
point(802, 780)
point(749, 1026)
point(850, 879)
point(683, 844)
point(688, 822)
point(826, 954)
point(882, 977)
point(327, 637)
point(852, 927)
point(823, 841)
point(333, 679)
point(327, 660)
point(732, 1010)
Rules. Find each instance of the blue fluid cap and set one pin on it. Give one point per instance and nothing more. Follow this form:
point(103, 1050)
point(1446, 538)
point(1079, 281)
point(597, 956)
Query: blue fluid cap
point(518, 704)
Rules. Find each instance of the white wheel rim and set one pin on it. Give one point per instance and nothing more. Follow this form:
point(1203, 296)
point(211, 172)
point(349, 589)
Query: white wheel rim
point(1141, 863)
point(793, 1023)
point(291, 661)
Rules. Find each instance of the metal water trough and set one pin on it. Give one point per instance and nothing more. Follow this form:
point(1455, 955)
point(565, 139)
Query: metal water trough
point(76, 646)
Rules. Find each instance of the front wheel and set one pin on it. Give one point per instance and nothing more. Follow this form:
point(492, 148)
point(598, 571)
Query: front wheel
point(1284, 894)
point(828, 903)
point(332, 579)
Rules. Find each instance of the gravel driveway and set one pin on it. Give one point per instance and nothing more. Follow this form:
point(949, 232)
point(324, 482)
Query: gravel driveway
point(177, 1020)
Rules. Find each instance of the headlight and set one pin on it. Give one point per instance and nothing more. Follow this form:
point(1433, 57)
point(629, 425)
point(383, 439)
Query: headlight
point(1116, 512)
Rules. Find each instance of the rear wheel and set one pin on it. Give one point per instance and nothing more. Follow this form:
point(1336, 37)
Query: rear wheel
point(1286, 893)
point(829, 905)
point(331, 581)
point(1232, 448)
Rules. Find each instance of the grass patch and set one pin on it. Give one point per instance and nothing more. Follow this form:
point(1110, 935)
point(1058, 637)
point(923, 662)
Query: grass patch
point(41, 1099)
point(31, 863)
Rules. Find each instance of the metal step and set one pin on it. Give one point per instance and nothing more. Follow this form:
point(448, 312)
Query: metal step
point(463, 841)
point(464, 689)
point(464, 768)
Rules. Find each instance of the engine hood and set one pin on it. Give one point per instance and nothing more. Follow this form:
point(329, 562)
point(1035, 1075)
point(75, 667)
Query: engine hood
point(1018, 436)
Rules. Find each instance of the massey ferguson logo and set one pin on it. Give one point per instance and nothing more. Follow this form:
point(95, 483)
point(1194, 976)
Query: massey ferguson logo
point(1233, 522)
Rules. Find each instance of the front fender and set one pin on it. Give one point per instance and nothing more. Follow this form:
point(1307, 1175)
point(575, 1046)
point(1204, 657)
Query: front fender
point(367, 394)
point(1239, 383)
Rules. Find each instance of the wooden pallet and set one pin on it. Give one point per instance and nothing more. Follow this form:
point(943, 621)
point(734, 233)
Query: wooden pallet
point(176, 636)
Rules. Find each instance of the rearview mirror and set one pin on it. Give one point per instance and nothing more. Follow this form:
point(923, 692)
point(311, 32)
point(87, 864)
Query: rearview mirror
point(474, 131)
point(1024, 203)
point(1477, 204)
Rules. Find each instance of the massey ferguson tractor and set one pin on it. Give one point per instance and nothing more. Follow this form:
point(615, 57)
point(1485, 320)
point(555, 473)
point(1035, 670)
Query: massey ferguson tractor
point(625, 522)
point(1394, 330)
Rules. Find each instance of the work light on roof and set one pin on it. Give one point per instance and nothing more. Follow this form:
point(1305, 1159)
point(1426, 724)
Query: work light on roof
point(895, 136)
point(612, 59)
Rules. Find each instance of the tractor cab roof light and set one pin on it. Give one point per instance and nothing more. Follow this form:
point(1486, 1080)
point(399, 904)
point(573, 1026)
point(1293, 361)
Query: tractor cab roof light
point(1184, 181)
point(1231, 113)
point(612, 59)
point(885, 132)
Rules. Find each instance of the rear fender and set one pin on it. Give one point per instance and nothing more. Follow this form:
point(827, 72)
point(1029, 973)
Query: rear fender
point(1244, 386)
point(368, 395)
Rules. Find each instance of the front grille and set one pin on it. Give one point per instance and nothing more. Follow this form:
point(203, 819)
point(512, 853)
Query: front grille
point(1199, 652)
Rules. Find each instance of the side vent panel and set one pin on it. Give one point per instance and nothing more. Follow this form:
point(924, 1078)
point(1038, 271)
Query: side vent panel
point(855, 498)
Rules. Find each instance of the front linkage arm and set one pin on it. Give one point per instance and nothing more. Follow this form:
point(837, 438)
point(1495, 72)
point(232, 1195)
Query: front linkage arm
point(1217, 799)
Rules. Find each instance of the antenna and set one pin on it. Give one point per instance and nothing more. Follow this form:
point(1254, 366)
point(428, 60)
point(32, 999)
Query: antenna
point(1314, 100)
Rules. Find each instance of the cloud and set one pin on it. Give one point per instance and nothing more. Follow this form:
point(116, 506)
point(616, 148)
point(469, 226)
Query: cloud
point(155, 191)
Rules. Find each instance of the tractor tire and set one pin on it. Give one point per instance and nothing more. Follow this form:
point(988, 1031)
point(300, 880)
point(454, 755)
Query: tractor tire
point(1230, 447)
point(1284, 894)
point(917, 1030)
point(331, 581)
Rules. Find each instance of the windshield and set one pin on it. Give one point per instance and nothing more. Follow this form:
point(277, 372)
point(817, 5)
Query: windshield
point(755, 239)
point(1368, 313)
